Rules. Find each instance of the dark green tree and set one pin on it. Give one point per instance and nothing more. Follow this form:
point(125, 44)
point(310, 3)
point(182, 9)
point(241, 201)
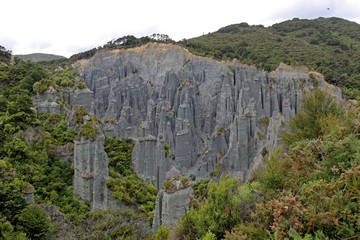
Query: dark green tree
point(34, 222)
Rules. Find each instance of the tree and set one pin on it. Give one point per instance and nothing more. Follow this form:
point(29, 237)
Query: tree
point(34, 222)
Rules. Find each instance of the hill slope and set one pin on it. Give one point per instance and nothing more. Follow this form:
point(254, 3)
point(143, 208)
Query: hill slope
point(40, 57)
point(328, 45)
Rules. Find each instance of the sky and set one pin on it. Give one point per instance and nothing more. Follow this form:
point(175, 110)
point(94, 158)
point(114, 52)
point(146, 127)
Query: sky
point(66, 27)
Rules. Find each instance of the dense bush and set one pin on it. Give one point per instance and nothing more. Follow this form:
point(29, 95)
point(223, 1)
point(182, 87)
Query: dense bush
point(307, 124)
point(5, 55)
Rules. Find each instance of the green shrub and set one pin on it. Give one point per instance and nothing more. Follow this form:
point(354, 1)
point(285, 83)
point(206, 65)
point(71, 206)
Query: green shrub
point(167, 149)
point(169, 186)
point(264, 121)
point(226, 202)
point(113, 224)
point(209, 236)
point(88, 130)
point(80, 113)
point(80, 85)
point(34, 222)
point(162, 233)
point(184, 181)
point(307, 123)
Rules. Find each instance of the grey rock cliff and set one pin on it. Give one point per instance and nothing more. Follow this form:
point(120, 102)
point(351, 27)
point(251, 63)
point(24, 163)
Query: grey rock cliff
point(91, 172)
point(208, 113)
point(170, 207)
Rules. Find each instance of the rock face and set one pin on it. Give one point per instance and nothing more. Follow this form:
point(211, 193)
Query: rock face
point(91, 172)
point(188, 114)
point(169, 207)
point(210, 113)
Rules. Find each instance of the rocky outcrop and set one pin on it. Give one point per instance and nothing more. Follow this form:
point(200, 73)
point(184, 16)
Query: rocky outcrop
point(169, 207)
point(47, 102)
point(172, 201)
point(91, 172)
point(28, 193)
point(208, 112)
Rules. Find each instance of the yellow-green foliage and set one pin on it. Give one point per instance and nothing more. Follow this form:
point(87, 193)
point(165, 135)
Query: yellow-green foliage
point(64, 78)
point(113, 224)
point(34, 222)
point(219, 130)
point(162, 233)
point(88, 130)
point(217, 170)
point(184, 181)
point(80, 112)
point(264, 121)
point(169, 186)
point(271, 175)
point(55, 125)
point(200, 190)
point(309, 191)
point(307, 124)
point(167, 149)
point(80, 85)
point(209, 236)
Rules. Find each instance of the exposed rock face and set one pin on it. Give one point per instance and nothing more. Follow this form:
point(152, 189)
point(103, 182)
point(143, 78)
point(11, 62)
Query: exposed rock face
point(208, 112)
point(91, 172)
point(28, 194)
point(169, 207)
point(46, 102)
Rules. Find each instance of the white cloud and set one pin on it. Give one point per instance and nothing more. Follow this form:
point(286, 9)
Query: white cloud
point(68, 26)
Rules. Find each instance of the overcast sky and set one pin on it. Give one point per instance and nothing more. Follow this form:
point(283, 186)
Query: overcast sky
point(66, 27)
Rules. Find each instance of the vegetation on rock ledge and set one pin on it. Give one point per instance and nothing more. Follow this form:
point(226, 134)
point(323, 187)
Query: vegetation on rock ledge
point(124, 183)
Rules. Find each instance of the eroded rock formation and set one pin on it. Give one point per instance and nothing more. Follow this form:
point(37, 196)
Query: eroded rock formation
point(91, 172)
point(188, 113)
point(208, 112)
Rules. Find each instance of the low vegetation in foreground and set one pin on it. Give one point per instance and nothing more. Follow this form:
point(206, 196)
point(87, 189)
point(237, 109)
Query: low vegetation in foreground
point(307, 189)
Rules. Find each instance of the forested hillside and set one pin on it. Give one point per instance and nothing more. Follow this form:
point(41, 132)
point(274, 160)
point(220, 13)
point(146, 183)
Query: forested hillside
point(330, 46)
point(40, 57)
